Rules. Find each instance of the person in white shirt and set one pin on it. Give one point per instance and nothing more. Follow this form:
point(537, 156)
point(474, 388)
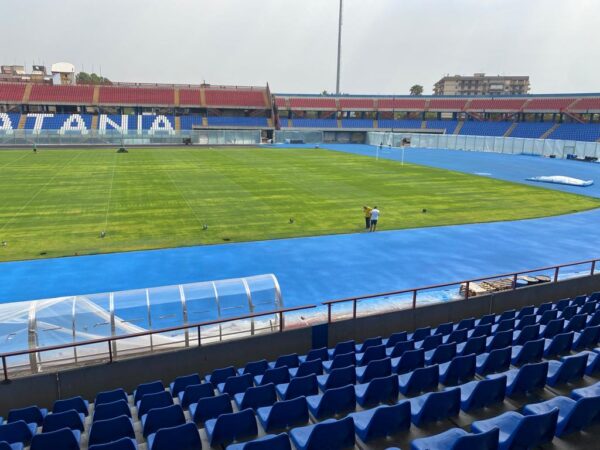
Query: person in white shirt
point(374, 218)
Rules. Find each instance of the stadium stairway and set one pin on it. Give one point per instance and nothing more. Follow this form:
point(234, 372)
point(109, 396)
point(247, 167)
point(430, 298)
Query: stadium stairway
point(27, 92)
point(177, 101)
point(203, 103)
point(459, 126)
point(177, 123)
point(550, 131)
point(510, 129)
point(22, 121)
point(96, 95)
point(95, 119)
point(423, 124)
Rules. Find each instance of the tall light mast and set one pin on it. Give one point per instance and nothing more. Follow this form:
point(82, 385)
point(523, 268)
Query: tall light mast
point(339, 53)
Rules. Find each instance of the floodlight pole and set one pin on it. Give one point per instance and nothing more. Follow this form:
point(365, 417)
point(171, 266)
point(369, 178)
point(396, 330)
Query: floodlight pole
point(339, 53)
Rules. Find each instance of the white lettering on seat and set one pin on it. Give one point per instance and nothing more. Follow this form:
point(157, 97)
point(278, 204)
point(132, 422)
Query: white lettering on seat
point(105, 121)
point(74, 123)
point(39, 121)
point(5, 123)
point(161, 124)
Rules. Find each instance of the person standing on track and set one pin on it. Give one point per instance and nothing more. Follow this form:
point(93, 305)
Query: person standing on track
point(374, 218)
point(367, 212)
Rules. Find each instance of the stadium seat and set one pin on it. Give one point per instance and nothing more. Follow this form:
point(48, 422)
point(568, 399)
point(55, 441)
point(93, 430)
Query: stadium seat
point(275, 375)
point(419, 334)
point(588, 391)
point(529, 352)
point(268, 442)
point(30, 414)
point(255, 397)
point(482, 393)
point(334, 401)
point(76, 403)
point(441, 354)
point(465, 324)
point(593, 365)
point(576, 323)
point(104, 431)
point(484, 329)
point(220, 375)
point(158, 418)
point(504, 325)
point(395, 338)
point(409, 361)
point(378, 390)
point(502, 339)
point(518, 431)
point(528, 333)
point(239, 383)
point(180, 437)
point(459, 370)
point(528, 378)
point(156, 400)
point(430, 342)
point(371, 354)
point(306, 368)
point(419, 380)
point(290, 361)
point(552, 328)
point(110, 410)
point(474, 345)
point(493, 362)
point(570, 368)
point(526, 321)
point(588, 338)
point(458, 439)
point(339, 361)
point(435, 406)
point(180, 383)
point(210, 408)
point(558, 345)
point(283, 414)
point(63, 439)
point(17, 431)
point(193, 393)
point(341, 348)
point(574, 415)
point(337, 378)
point(374, 369)
point(382, 421)
point(400, 348)
point(548, 316)
point(568, 313)
point(147, 388)
point(110, 397)
point(329, 434)
point(540, 310)
point(297, 387)
point(457, 336)
point(371, 342)
point(69, 419)
point(444, 328)
point(320, 354)
point(231, 427)
point(120, 444)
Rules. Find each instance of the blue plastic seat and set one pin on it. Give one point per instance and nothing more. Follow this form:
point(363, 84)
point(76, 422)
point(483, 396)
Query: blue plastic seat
point(63, 439)
point(528, 333)
point(588, 308)
point(342, 348)
point(69, 419)
point(502, 339)
point(111, 410)
point(488, 319)
point(580, 300)
point(375, 369)
point(576, 323)
point(147, 388)
point(562, 304)
point(459, 370)
point(268, 442)
point(569, 369)
point(76, 403)
point(509, 314)
point(559, 344)
point(465, 324)
point(220, 375)
point(441, 354)
point(333, 401)
point(14, 446)
point(547, 317)
point(320, 354)
point(231, 427)
point(504, 325)
point(552, 328)
point(588, 391)
point(254, 368)
point(371, 354)
point(593, 365)
point(255, 397)
point(400, 348)
point(531, 351)
point(110, 397)
point(30, 414)
point(234, 385)
point(518, 431)
point(419, 380)
point(329, 434)
point(526, 321)
point(594, 319)
point(19, 431)
point(193, 393)
point(119, 444)
point(444, 328)
point(525, 311)
point(458, 439)
point(297, 387)
point(382, 421)
point(283, 414)
point(420, 334)
point(289, 361)
point(275, 375)
point(337, 378)
point(588, 338)
point(484, 329)
point(493, 362)
point(540, 310)
point(104, 431)
point(457, 336)
point(179, 437)
point(472, 345)
point(395, 338)
point(180, 383)
point(568, 312)
point(526, 379)
point(430, 342)
point(210, 408)
point(371, 342)
point(306, 368)
point(409, 361)
point(158, 418)
point(378, 390)
point(339, 361)
point(573, 415)
point(482, 393)
point(435, 406)
point(156, 400)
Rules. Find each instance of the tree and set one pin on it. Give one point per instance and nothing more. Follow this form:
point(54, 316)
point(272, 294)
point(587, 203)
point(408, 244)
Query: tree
point(416, 89)
point(91, 78)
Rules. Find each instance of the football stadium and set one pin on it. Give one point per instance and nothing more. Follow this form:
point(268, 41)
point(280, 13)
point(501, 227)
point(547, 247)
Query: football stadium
point(247, 266)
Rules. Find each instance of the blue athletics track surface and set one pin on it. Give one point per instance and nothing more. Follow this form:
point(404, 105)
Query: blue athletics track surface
point(318, 268)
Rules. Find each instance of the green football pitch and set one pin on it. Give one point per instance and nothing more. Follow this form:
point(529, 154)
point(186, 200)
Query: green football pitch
point(58, 202)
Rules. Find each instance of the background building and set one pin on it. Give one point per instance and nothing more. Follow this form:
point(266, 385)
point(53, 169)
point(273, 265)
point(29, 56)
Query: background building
point(480, 84)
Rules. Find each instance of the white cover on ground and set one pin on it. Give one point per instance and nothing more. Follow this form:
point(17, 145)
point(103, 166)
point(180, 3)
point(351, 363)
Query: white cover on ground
point(560, 179)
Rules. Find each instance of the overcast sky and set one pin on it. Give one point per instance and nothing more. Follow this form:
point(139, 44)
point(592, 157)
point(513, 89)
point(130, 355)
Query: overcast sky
point(388, 45)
